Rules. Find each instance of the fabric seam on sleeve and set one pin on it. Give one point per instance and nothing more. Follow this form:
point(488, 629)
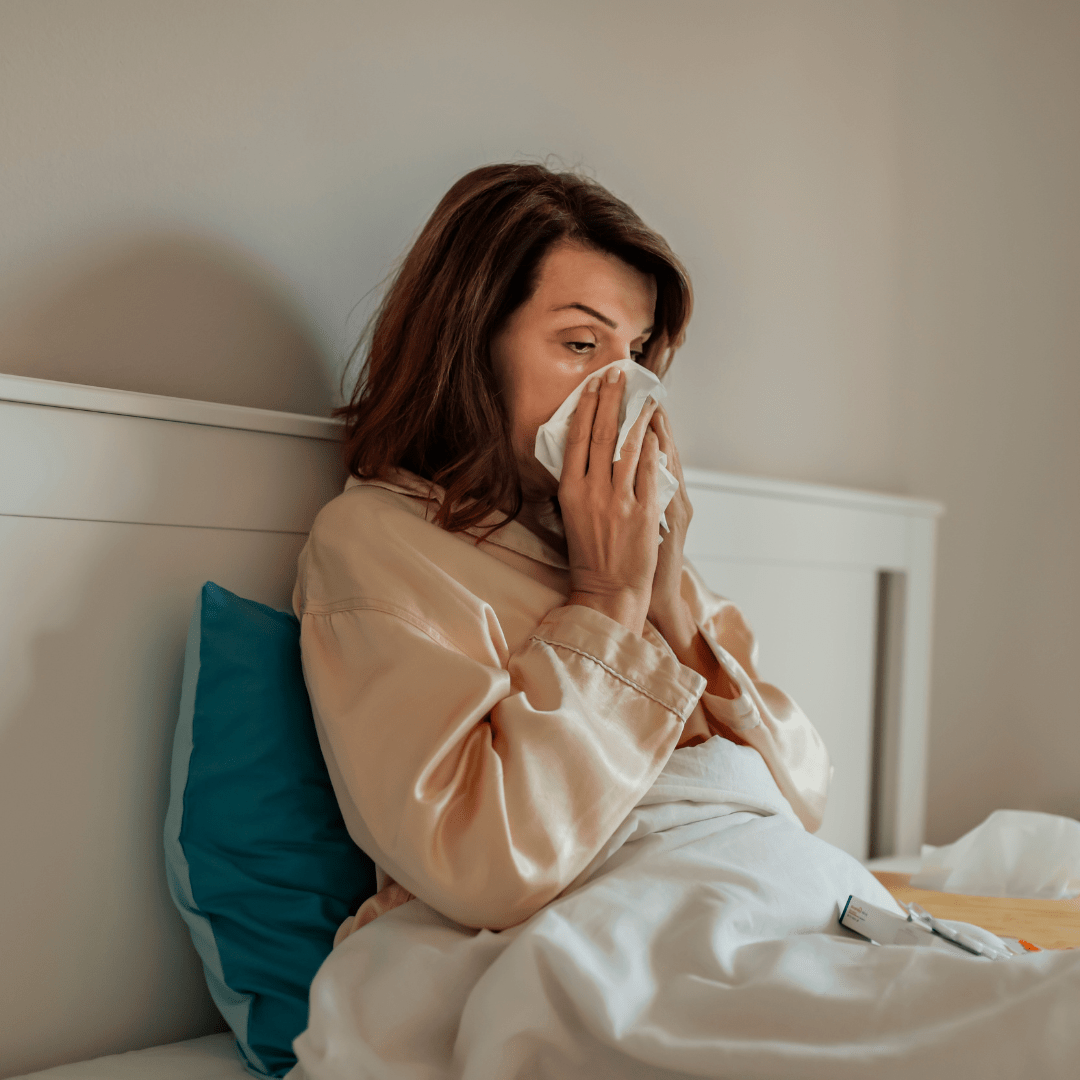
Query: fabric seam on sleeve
point(611, 671)
point(384, 607)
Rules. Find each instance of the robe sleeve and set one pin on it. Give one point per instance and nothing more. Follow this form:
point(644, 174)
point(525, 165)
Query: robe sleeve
point(756, 712)
point(483, 780)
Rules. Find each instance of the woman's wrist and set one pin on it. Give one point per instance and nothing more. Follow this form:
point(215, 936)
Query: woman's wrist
point(677, 627)
point(625, 606)
point(692, 650)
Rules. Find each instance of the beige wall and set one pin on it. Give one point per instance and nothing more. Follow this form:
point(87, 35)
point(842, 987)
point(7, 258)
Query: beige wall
point(200, 193)
point(989, 354)
point(874, 198)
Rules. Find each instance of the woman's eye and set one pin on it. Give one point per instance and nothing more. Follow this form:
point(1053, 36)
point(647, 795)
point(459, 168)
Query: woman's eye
point(637, 355)
point(580, 347)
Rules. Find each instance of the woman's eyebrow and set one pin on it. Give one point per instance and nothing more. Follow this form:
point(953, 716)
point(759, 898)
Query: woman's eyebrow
point(590, 311)
point(596, 315)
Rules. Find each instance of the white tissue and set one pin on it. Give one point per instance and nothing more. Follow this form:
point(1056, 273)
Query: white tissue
point(1017, 853)
point(640, 385)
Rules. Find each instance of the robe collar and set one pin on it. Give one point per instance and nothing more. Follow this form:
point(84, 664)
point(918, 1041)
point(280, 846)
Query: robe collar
point(513, 536)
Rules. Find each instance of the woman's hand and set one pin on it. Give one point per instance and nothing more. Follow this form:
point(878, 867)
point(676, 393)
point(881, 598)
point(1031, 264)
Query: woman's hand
point(667, 609)
point(611, 510)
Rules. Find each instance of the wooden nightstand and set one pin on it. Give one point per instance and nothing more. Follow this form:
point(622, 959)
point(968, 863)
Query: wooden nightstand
point(1050, 924)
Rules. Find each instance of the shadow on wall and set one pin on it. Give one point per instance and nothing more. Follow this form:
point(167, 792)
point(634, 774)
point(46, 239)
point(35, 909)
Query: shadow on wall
point(169, 314)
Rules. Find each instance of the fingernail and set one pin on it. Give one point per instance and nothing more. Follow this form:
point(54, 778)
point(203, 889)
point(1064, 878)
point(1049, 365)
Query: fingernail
point(613, 375)
point(594, 385)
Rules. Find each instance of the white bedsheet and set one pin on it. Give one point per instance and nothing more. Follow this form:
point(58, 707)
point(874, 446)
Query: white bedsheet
point(703, 941)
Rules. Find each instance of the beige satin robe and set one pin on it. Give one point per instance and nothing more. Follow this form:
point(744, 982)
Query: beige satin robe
point(484, 737)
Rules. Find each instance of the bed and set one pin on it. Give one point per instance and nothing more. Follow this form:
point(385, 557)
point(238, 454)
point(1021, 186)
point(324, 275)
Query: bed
point(115, 507)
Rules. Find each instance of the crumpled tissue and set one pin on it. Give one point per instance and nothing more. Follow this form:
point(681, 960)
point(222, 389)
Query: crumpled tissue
point(640, 385)
point(1018, 853)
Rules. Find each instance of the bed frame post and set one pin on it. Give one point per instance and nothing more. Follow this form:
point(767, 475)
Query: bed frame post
point(902, 697)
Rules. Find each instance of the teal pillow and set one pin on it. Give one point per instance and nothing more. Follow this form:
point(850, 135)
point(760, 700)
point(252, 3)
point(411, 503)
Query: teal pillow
point(257, 856)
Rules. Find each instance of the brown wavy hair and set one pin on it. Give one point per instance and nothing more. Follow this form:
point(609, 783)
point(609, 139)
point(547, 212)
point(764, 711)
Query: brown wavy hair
point(427, 398)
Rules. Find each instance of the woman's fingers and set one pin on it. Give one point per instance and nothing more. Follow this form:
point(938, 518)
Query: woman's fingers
point(605, 429)
point(647, 485)
point(662, 426)
point(679, 511)
point(594, 432)
point(578, 438)
point(611, 510)
point(625, 469)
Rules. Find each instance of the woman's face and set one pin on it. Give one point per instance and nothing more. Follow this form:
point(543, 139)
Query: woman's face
point(588, 310)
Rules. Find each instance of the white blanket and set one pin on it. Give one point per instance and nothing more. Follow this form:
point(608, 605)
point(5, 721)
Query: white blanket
point(702, 942)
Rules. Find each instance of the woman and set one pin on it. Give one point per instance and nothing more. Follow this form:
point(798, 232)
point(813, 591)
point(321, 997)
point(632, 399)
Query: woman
point(500, 663)
point(539, 721)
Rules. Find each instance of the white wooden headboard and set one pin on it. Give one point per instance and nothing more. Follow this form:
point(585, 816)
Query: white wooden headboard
point(838, 587)
point(114, 509)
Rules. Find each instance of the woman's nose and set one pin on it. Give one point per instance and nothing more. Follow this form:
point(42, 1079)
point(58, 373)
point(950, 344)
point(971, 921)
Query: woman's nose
point(609, 356)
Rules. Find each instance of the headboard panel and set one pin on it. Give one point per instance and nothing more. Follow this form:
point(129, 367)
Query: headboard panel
point(115, 508)
point(110, 521)
point(838, 586)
